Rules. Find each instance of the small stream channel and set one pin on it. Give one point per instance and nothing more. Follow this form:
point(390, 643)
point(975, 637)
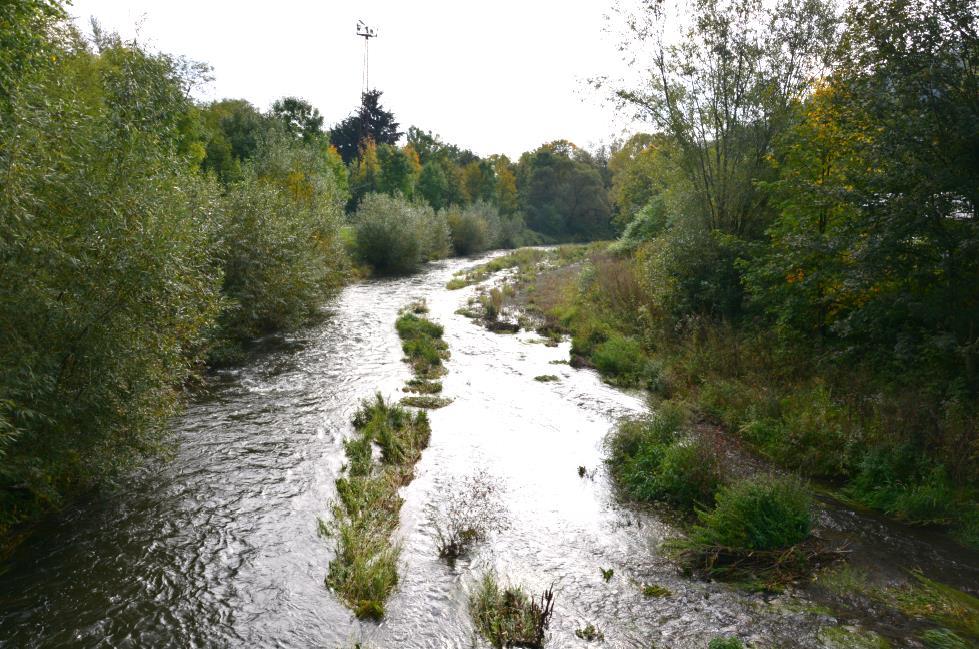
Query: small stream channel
point(219, 548)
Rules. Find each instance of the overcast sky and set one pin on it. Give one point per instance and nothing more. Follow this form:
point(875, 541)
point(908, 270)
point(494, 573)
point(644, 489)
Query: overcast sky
point(496, 77)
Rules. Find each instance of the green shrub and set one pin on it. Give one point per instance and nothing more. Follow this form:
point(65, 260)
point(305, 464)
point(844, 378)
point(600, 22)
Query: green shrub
point(620, 359)
point(106, 275)
point(280, 255)
point(651, 461)
point(761, 513)
point(395, 235)
point(689, 474)
point(474, 228)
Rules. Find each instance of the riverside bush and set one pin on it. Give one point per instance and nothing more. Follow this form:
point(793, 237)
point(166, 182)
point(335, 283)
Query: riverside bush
point(280, 252)
point(395, 235)
point(760, 513)
point(108, 284)
point(650, 460)
point(475, 228)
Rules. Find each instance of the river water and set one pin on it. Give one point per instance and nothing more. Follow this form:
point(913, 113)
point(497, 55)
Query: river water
point(219, 548)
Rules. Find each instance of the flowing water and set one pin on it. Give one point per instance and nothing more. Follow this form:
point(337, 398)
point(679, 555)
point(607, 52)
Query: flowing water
point(219, 548)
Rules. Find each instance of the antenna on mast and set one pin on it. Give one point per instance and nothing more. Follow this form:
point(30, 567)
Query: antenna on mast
point(367, 33)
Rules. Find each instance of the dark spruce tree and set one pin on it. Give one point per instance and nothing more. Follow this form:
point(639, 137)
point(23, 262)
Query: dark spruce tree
point(370, 121)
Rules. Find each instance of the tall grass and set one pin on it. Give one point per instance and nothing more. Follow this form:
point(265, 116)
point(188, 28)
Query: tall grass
point(364, 569)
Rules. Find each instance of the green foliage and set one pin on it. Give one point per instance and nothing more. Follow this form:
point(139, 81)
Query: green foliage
point(761, 513)
point(396, 236)
point(475, 228)
point(905, 484)
point(726, 642)
point(421, 341)
point(562, 193)
point(397, 174)
point(620, 360)
point(108, 287)
point(943, 639)
point(370, 122)
point(650, 460)
point(278, 243)
point(509, 617)
point(233, 131)
point(25, 47)
point(364, 569)
point(299, 118)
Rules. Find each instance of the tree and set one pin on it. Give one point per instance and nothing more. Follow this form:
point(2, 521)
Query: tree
point(371, 121)
point(433, 186)
point(725, 90)
point(233, 130)
point(365, 173)
point(505, 190)
point(396, 171)
point(479, 181)
point(562, 196)
point(878, 231)
point(641, 169)
point(299, 117)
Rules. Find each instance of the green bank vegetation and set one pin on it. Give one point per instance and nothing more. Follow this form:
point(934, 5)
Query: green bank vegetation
point(804, 279)
point(952, 615)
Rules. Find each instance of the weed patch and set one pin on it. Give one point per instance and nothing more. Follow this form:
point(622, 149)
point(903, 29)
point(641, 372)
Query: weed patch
point(427, 402)
point(509, 617)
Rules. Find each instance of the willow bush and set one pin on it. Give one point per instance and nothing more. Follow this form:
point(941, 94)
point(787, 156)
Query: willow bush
point(108, 286)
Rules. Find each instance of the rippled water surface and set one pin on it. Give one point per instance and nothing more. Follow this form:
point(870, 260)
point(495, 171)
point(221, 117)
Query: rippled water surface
point(218, 547)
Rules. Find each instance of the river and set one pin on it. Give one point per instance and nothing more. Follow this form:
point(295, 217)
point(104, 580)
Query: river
point(218, 546)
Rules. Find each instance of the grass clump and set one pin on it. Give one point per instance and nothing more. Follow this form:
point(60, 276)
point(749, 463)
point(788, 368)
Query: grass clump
point(421, 386)
point(364, 569)
point(422, 344)
point(755, 530)
point(655, 590)
point(546, 378)
point(944, 639)
point(589, 633)
point(427, 402)
point(509, 617)
point(650, 460)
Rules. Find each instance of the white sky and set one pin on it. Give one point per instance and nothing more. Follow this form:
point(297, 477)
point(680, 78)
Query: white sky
point(497, 77)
